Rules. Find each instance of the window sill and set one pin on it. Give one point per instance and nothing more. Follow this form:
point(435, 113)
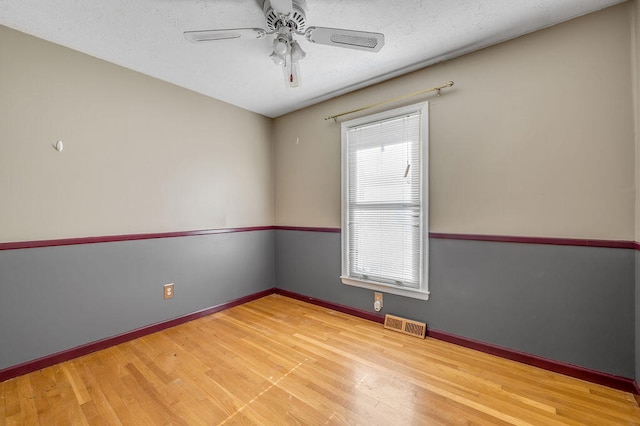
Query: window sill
point(415, 294)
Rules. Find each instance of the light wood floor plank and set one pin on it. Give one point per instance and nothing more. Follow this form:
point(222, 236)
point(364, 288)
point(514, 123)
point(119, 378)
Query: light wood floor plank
point(281, 361)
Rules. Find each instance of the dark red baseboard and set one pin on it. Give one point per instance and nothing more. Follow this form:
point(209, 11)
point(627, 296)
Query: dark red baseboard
point(605, 379)
point(615, 382)
point(335, 306)
point(49, 360)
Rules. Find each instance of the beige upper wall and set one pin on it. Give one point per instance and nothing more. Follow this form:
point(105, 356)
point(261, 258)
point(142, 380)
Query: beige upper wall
point(536, 138)
point(140, 155)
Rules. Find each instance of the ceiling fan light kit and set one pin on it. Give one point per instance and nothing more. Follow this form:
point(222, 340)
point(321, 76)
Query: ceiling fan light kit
point(286, 18)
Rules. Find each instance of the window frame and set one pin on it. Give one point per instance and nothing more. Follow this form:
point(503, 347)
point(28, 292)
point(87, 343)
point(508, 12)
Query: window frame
point(422, 292)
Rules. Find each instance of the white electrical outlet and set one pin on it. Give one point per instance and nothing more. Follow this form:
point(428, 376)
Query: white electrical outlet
point(377, 301)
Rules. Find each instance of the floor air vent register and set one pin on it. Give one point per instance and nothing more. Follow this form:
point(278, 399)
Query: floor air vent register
point(406, 326)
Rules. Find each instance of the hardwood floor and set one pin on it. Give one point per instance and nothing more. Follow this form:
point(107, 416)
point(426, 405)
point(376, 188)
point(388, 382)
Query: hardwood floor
point(281, 361)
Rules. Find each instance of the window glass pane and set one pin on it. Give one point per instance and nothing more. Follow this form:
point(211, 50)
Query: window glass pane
point(383, 201)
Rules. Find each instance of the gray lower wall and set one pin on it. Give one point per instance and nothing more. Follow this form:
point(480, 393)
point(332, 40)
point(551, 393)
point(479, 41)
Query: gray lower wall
point(637, 323)
point(578, 305)
point(56, 298)
point(571, 304)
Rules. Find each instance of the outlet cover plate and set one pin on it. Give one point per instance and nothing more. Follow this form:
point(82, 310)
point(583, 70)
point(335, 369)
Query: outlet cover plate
point(168, 291)
point(378, 297)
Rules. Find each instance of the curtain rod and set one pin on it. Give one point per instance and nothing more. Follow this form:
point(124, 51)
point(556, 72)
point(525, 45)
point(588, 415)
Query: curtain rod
point(397, 98)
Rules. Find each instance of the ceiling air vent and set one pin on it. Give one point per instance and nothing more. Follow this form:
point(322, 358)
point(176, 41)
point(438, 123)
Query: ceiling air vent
point(406, 326)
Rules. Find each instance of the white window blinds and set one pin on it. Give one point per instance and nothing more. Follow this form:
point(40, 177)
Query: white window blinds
point(383, 198)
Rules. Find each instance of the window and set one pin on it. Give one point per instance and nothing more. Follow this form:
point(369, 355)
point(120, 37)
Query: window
point(385, 201)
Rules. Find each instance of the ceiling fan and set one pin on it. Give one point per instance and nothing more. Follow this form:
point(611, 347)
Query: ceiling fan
point(284, 19)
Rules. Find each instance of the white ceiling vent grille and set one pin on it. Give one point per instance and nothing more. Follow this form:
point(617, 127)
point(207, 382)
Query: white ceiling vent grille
point(406, 326)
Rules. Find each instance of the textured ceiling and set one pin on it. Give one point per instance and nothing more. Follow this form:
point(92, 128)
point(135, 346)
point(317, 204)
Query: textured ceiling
point(146, 36)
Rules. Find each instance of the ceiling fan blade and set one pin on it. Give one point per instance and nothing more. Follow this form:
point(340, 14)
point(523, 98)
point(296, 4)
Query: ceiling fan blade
point(231, 34)
point(360, 40)
point(283, 7)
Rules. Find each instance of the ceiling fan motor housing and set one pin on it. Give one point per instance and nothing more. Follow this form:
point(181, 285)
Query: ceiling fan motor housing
point(296, 21)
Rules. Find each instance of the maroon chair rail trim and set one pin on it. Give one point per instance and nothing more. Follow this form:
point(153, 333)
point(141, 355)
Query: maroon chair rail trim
point(436, 235)
point(125, 237)
point(308, 229)
point(539, 240)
